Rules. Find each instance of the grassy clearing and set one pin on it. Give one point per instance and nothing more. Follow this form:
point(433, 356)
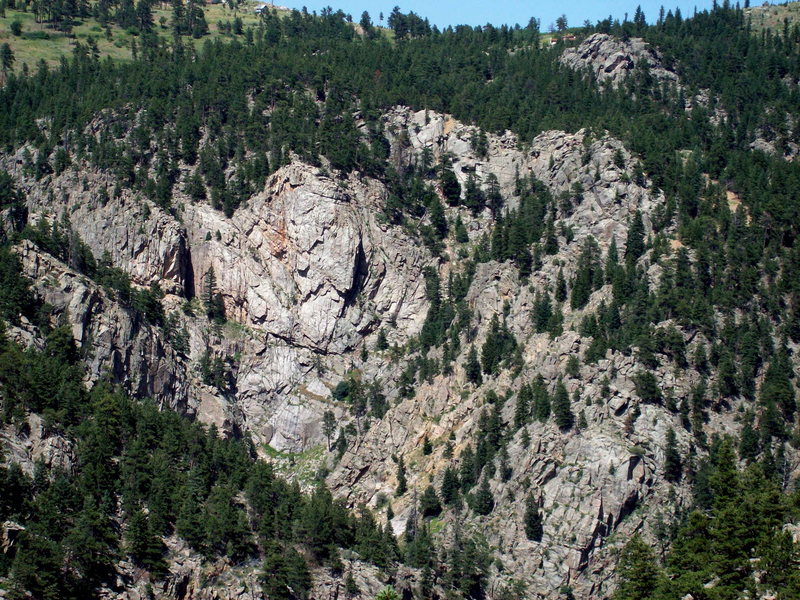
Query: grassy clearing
point(300, 466)
point(772, 17)
point(39, 41)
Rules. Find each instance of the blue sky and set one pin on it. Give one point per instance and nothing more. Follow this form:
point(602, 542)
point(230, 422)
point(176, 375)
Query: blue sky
point(473, 12)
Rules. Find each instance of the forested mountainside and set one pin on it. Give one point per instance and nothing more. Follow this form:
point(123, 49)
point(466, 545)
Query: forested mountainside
point(311, 310)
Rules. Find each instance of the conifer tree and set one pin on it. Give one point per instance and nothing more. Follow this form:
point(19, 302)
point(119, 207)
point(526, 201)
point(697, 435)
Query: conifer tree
point(472, 367)
point(402, 483)
point(450, 487)
point(541, 400)
point(429, 504)
point(542, 311)
point(7, 59)
point(451, 189)
point(483, 500)
point(381, 343)
point(777, 386)
point(328, 426)
point(561, 286)
point(461, 235)
point(672, 458)
point(142, 543)
point(637, 571)
point(634, 246)
point(215, 306)
point(748, 440)
point(285, 574)
point(522, 411)
point(562, 410)
point(534, 528)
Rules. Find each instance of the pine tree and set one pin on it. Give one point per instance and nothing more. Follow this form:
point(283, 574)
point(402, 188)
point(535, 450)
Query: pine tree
point(467, 470)
point(483, 500)
point(6, 59)
point(381, 343)
point(541, 400)
point(562, 410)
point(451, 189)
point(178, 18)
point(449, 489)
point(748, 440)
point(672, 459)
point(402, 483)
point(634, 246)
point(612, 267)
point(189, 523)
point(461, 235)
point(777, 386)
point(328, 426)
point(522, 411)
point(561, 286)
point(542, 312)
point(493, 196)
point(637, 571)
point(285, 574)
point(472, 368)
point(215, 306)
point(534, 528)
point(429, 504)
point(726, 375)
point(474, 198)
point(143, 545)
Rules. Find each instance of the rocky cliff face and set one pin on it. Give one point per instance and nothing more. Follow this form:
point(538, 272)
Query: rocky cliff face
point(309, 271)
point(147, 241)
point(115, 340)
point(309, 262)
point(612, 60)
point(589, 482)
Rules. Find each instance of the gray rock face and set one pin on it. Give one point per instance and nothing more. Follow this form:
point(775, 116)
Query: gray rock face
point(307, 268)
point(588, 482)
point(115, 340)
point(308, 261)
point(136, 234)
point(32, 443)
point(612, 59)
point(310, 269)
point(309, 272)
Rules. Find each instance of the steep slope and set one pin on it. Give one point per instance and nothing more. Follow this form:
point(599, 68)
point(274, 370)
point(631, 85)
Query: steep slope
point(311, 275)
point(517, 354)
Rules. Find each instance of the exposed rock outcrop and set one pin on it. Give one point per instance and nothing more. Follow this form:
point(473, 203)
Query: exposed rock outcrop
point(32, 442)
point(309, 271)
point(309, 262)
point(115, 340)
point(612, 59)
point(135, 233)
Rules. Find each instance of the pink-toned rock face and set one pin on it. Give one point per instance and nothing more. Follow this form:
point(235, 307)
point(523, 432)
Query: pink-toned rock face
point(308, 261)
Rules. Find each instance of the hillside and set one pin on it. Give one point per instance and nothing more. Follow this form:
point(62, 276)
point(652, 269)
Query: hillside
point(316, 313)
point(773, 16)
point(34, 37)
